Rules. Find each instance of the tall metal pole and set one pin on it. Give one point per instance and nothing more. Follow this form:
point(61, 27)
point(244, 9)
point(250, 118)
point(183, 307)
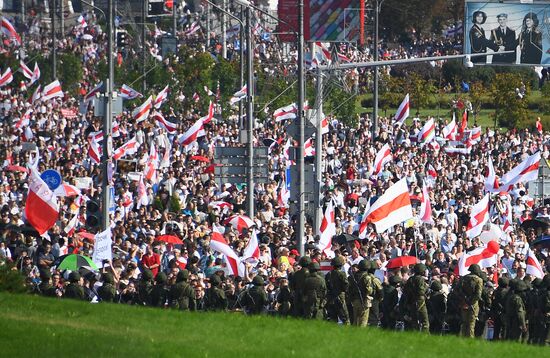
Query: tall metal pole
point(375, 90)
point(174, 18)
point(107, 119)
point(54, 41)
point(241, 60)
point(62, 17)
point(250, 114)
point(300, 118)
point(207, 27)
point(143, 47)
point(319, 150)
point(224, 33)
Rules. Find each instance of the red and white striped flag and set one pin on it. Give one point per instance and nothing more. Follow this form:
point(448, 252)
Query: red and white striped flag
point(67, 190)
point(284, 194)
point(128, 148)
point(238, 96)
point(142, 112)
point(491, 181)
point(196, 97)
point(6, 78)
point(364, 222)
point(164, 123)
point(539, 126)
point(41, 208)
point(37, 94)
point(383, 157)
point(450, 130)
point(485, 256)
point(142, 199)
point(425, 207)
point(96, 90)
point(53, 90)
point(222, 206)
point(403, 111)
point(309, 149)
point(206, 119)
point(392, 208)
point(25, 70)
point(81, 21)
point(533, 265)
point(161, 97)
point(327, 229)
point(94, 151)
point(194, 132)
point(342, 57)
point(252, 250)
point(526, 171)
point(324, 126)
point(478, 217)
point(219, 244)
point(24, 120)
point(115, 133)
point(71, 226)
point(427, 133)
point(35, 74)
point(8, 30)
point(432, 173)
point(127, 92)
point(286, 112)
point(150, 170)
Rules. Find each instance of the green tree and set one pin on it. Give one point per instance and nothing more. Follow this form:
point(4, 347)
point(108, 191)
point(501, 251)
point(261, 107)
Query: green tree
point(420, 91)
point(510, 108)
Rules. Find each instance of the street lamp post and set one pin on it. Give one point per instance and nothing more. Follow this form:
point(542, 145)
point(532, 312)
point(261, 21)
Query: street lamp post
point(54, 41)
point(376, 74)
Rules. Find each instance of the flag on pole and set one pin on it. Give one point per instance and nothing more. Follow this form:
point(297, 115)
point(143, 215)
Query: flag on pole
point(96, 90)
point(127, 92)
point(127, 148)
point(142, 112)
point(533, 265)
point(164, 123)
point(427, 133)
point(327, 229)
point(383, 157)
point(25, 70)
point(392, 208)
point(403, 111)
point(450, 130)
point(6, 78)
point(478, 217)
point(526, 171)
point(425, 207)
point(206, 119)
point(35, 74)
point(219, 244)
point(191, 135)
point(94, 151)
point(485, 256)
point(41, 208)
point(239, 95)
point(161, 97)
point(53, 90)
point(81, 21)
point(252, 249)
point(491, 181)
point(8, 30)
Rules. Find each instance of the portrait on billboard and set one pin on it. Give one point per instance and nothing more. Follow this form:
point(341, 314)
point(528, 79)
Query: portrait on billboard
point(509, 33)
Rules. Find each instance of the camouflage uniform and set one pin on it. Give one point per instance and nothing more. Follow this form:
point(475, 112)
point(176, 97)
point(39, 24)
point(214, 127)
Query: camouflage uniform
point(74, 290)
point(337, 285)
point(215, 299)
point(471, 287)
point(107, 292)
point(315, 291)
point(437, 306)
point(497, 308)
point(415, 299)
point(544, 305)
point(145, 287)
point(45, 288)
point(360, 293)
point(516, 324)
point(374, 313)
point(297, 283)
point(535, 324)
point(181, 295)
point(255, 298)
point(390, 301)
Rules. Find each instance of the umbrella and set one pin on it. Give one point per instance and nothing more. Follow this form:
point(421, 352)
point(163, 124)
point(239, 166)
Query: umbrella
point(401, 261)
point(16, 168)
point(85, 270)
point(344, 238)
point(170, 239)
point(542, 223)
point(200, 158)
point(240, 222)
point(73, 262)
point(543, 241)
point(87, 37)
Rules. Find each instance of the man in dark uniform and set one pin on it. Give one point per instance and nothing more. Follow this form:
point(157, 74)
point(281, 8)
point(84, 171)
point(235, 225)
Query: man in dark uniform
point(107, 291)
point(544, 305)
point(315, 292)
point(75, 289)
point(516, 324)
point(478, 42)
point(159, 293)
point(374, 314)
point(415, 299)
point(536, 325)
point(497, 308)
point(45, 288)
point(296, 283)
point(255, 298)
point(215, 299)
point(182, 295)
point(437, 307)
point(504, 36)
point(337, 285)
point(360, 293)
point(390, 300)
point(145, 287)
point(471, 287)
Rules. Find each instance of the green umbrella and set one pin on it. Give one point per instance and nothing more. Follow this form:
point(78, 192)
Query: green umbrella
point(73, 262)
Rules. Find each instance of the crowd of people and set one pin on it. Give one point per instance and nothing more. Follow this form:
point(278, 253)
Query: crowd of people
point(351, 285)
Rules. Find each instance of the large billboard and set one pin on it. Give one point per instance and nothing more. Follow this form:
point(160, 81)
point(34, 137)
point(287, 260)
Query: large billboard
point(493, 27)
point(324, 20)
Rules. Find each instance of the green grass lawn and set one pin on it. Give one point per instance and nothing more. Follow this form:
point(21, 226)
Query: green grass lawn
point(35, 326)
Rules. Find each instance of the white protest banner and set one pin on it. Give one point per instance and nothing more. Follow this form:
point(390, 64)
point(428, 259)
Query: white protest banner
point(83, 182)
point(102, 247)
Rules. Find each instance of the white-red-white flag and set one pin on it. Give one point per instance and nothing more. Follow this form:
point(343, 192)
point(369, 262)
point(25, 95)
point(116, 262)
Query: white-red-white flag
point(324, 126)
point(206, 119)
point(7, 28)
point(53, 90)
point(309, 149)
point(392, 208)
point(383, 157)
point(196, 97)
point(252, 249)
point(403, 111)
point(93, 92)
point(364, 222)
point(127, 92)
point(450, 130)
point(150, 171)
point(35, 74)
point(327, 229)
point(142, 199)
point(24, 120)
point(427, 133)
point(81, 21)
point(94, 151)
point(286, 112)
point(194, 132)
point(164, 123)
point(491, 181)
point(219, 244)
point(485, 256)
point(71, 226)
point(526, 171)
point(142, 112)
point(25, 70)
point(534, 267)
point(238, 96)
point(161, 97)
point(6, 77)
point(478, 217)
point(425, 213)
point(128, 148)
point(432, 173)
point(41, 208)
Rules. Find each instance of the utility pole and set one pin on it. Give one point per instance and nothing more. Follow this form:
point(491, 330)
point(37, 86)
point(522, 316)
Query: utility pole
point(61, 16)
point(224, 34)
point(174, 19)
point(54, 41)
point(250, 114)
point(319, 148)
point(143, 47)
point(241, 54)
point(207, 27)
point(108, 120)
point(375, 89)
point(300, 118)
